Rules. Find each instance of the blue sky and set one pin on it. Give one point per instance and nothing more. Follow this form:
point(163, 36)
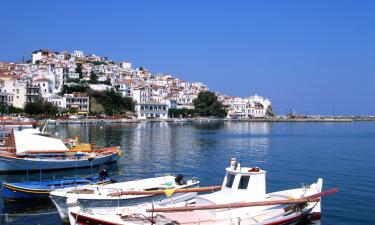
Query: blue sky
point(311, 56)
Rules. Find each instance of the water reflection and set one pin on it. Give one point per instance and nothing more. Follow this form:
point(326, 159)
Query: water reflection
point(291, 153)
point(165, 147)
point(194, 149)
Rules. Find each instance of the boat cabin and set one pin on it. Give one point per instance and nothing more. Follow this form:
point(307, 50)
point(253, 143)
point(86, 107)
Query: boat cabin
point(251, 179)
point(239, 184)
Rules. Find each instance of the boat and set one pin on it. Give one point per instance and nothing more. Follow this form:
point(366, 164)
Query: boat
point(41, 189)
point(28, 152)
point(19, 123)
point(109, 195)
point(241, 200)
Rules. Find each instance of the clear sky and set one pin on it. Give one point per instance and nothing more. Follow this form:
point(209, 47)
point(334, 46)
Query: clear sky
point(311, 56)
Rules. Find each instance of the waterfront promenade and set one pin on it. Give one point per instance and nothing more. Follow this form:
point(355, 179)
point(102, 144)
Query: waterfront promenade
point(209, 119)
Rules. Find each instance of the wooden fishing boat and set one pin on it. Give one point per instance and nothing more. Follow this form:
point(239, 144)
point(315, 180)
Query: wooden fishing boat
point(241, 200)
point(28, 152)
point(112, 195)
point(19, 123)
point(41, 189)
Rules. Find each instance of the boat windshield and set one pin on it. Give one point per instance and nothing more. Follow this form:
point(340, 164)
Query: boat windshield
point(244, 181)
point(230, 179)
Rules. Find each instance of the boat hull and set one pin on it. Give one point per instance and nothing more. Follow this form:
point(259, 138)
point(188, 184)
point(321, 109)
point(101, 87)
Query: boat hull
point(37, 190)
point(80, 217)
point(10, 193)
point(16, 164)
point(62, 205)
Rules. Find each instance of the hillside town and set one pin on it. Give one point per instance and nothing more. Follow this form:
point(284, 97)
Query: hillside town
point(49, 74)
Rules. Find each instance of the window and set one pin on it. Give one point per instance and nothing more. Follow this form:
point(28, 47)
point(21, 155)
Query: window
point(244, 181)
point(230, 179)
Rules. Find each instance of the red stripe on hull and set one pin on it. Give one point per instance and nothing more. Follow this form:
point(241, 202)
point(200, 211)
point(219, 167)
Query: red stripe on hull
point(85, 220)
point(288, 221)
point(315, 216)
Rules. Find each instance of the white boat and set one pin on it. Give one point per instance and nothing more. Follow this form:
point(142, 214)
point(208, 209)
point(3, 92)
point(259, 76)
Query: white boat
point(109, 195)
point(241, 200)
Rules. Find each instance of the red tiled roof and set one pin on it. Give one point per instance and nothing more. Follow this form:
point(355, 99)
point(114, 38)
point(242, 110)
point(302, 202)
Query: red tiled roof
point(43, 79)
point(125, 81)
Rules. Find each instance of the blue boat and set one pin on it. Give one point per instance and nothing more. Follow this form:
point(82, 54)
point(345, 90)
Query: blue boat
point(41, 189)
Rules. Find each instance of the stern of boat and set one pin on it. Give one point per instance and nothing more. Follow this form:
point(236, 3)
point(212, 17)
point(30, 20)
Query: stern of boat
point(73, 211)
point(316, 211)
point(61, 206)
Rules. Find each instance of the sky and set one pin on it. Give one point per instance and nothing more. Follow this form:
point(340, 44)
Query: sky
point(311, 57)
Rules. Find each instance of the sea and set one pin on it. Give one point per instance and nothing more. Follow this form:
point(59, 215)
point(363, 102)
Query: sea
point(292, 153)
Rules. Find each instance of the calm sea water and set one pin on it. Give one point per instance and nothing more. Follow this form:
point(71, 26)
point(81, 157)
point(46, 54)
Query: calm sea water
point(292, 153)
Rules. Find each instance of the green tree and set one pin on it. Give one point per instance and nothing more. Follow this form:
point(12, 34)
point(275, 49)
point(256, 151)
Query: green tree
point(270, 112)
point(107, 82)
point(40, 107)
point(95, 107)
point(79, 70)
point(68, 89)
point(113, 102)
point(9, 109)
point(93, 78)
point(206, 104)
point(73, 80)
point(72, 111)
point(175, 113)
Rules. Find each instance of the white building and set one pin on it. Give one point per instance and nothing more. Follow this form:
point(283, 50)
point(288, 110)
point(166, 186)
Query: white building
point(46, 86)
point(37, 56)
point(126, 65)
point(257, 106)
point(78, 54)
point(151, 110)
point(13, 92)
point(142, 94)
point(58, 101)
point(79, 102)
point(125, 87)
point(253, 106)
point(59, 78)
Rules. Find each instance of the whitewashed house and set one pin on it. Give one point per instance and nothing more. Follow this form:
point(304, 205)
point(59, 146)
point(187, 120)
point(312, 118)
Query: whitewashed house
point(125, 87)
point(78, 101)
point(58, 101)
point(257, 106)
point(46, 86)
point(250, 107)
point(141, 93)
point(151, 110)
point(78, 54)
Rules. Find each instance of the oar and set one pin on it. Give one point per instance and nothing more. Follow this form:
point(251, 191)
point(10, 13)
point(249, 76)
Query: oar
point(166, 191)
point(324, 193)
point(311, 198)
point(234, 205)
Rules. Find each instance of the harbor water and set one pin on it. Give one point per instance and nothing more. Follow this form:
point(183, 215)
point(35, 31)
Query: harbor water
point(293, 154)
